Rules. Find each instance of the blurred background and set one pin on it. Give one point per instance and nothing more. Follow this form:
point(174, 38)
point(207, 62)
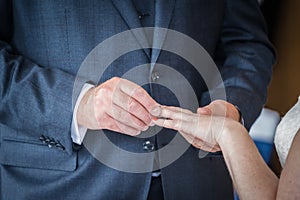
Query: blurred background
point(283, 19)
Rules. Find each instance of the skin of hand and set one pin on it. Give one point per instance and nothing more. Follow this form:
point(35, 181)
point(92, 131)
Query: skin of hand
point(201, 131)
point(118, 105)
point(220, 108)
point(252, 178)
point(197, 128)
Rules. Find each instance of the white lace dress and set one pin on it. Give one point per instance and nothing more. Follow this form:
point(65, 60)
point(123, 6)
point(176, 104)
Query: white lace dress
point(286, 131)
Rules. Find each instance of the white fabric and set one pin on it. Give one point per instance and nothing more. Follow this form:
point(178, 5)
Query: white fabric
point(286, 132)
point(263, 130)
point(78, 132)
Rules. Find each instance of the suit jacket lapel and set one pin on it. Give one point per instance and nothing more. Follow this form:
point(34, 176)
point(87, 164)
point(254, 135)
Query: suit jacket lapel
point(130, 16)
point(163, 13)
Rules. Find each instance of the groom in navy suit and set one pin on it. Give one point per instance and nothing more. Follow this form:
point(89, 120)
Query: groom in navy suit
point(43, 127)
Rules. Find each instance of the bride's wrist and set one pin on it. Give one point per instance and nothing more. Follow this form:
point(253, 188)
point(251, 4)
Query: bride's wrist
point(229, 131)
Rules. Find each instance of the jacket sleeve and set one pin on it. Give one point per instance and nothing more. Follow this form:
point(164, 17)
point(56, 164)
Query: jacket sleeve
point(244, 57)
point(35, 100)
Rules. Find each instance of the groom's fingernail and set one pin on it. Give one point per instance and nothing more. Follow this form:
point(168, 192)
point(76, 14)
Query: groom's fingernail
point(156, 111)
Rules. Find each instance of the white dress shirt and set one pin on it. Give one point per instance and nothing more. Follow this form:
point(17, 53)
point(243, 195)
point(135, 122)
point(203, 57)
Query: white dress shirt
point(78, 132)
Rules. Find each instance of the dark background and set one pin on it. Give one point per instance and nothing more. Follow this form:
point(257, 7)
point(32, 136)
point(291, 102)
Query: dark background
point(283, 19)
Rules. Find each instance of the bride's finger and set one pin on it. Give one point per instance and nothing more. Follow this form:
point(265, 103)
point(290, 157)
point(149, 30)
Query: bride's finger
point(190, 131)
point(168, 123)
point(200, 144)
point(178, 109)
point(190, 126)
point(176, 114)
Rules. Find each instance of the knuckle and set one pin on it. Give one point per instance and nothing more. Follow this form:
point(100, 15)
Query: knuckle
point(115, 79)
point(149, 104)
point(142, 95)
point(103, 92)
point(133, 105)
point(124, 115)
point(139, 92)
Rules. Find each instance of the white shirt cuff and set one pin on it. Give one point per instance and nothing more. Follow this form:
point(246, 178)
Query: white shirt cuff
point(78, 132)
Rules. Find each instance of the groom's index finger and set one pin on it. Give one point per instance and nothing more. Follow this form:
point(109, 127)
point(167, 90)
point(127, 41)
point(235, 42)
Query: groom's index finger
point(139, 94)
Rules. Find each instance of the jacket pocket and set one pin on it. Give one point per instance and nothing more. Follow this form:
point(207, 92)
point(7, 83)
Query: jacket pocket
point(21, 153)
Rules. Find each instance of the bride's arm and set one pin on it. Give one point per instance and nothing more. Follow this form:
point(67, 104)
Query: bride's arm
point(252, 178)
point(289, 184)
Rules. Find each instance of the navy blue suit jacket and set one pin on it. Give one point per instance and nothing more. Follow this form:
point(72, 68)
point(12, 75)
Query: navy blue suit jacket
point(42, 46)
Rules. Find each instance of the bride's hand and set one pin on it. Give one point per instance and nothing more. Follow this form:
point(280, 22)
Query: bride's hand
point(220, 108)
point(202, 131)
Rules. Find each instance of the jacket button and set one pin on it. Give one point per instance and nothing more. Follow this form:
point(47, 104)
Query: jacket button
point(51, 142)
point(148, 146)
point(59, 146)
point(43, 139)
point(76, 147)
point(154, 76)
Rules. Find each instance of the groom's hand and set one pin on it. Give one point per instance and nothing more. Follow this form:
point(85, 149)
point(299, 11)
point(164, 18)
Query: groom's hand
point(118, 105)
